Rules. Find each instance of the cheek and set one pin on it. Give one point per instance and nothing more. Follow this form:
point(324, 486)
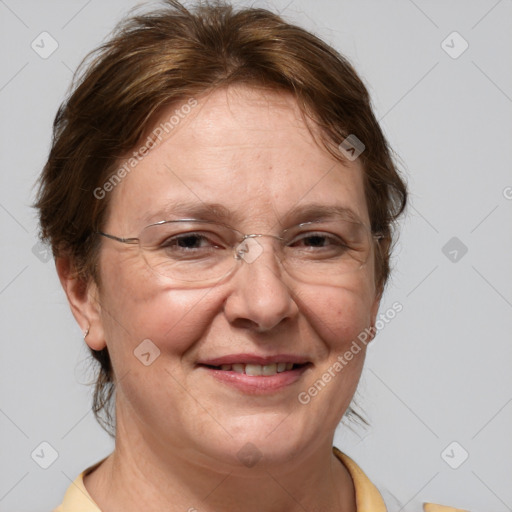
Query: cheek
point(341, 318)
point(137, 305)
point(340, 315)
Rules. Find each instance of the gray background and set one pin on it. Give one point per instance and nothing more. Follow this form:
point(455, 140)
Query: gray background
point(440, 370)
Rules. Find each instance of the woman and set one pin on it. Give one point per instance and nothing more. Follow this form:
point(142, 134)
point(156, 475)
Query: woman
point(220, 199)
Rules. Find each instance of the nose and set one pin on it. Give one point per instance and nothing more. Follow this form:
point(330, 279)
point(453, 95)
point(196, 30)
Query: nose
point(259, 299)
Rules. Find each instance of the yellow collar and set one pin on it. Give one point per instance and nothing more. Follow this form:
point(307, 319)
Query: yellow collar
point(368, 498)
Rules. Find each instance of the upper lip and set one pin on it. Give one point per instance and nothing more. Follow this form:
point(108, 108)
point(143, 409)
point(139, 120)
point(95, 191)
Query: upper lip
point(254, 359)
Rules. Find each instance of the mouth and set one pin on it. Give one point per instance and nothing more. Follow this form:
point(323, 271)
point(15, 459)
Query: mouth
point(258, 370)
point(256, 375)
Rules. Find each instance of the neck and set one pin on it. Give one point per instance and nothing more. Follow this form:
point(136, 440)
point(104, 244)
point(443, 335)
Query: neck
point(139, 472)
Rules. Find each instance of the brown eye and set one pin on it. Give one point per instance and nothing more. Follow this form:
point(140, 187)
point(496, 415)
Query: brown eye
point(188, 241)
point(317, 240)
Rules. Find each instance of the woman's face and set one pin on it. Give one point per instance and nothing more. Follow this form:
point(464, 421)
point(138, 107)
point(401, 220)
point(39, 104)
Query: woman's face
point(251, 155)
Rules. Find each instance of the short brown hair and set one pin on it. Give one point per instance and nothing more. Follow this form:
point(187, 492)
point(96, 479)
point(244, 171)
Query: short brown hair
point(168, 56)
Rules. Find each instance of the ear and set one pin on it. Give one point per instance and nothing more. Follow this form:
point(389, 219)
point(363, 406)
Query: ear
point(375, 307)
point(83, 300)
point(382, 247)
point(374, 310)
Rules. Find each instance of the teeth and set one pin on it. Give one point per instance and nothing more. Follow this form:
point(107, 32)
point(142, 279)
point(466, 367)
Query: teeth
point(239, 368)
point(255, 370)
point(281, 367)
point(269, 369)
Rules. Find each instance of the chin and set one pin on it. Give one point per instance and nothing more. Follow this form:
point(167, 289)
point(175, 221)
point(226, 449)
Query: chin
point(262, 440)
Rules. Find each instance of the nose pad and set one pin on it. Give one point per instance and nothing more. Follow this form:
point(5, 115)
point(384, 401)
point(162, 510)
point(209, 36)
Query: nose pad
point(248, 250)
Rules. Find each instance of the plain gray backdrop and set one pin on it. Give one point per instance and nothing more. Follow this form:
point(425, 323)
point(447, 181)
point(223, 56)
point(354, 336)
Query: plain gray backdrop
point(437, 387)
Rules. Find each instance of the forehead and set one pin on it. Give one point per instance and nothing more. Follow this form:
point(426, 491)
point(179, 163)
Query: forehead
point(245, 150)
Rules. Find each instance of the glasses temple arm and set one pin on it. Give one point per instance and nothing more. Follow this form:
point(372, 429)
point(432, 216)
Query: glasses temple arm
point(118, 239)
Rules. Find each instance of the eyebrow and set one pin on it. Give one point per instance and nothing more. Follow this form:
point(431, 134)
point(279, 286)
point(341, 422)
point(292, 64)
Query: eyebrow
point(219, 213)
point(318, 211)
point(191, 210)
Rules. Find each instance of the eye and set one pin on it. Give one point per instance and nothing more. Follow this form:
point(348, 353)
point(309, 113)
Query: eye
point(188, 241)
point(193, 242)
point(318, 241)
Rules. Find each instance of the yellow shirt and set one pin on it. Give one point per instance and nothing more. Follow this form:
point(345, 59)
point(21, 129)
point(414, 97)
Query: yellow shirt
point(368, 498)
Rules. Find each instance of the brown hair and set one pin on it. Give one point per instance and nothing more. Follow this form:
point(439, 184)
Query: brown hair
point(166, 57)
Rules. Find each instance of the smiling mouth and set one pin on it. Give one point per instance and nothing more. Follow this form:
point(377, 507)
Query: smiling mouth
point(258, 370)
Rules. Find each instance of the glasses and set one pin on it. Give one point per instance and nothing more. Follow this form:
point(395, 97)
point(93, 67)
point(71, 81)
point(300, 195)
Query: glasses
point(197, 253)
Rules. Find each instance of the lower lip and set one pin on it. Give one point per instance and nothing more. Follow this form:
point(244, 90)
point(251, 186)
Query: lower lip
point(257, 385)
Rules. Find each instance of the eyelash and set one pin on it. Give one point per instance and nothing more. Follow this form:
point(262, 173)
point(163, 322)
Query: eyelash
point(319, 234)
point(328, 240)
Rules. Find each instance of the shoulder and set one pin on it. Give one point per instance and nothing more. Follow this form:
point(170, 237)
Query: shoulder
point(368, 498)
point(76, 498)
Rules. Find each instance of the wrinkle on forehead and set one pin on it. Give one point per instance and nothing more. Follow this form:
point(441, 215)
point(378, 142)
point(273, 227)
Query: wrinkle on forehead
point(241, 152)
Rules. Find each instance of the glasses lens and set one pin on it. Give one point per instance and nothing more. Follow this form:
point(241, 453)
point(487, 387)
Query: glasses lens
point(324, 251)
point(201, 253)
point(188, 251)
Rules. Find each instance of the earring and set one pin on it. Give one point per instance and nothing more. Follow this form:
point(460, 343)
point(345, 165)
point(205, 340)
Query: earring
point(86, 333)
